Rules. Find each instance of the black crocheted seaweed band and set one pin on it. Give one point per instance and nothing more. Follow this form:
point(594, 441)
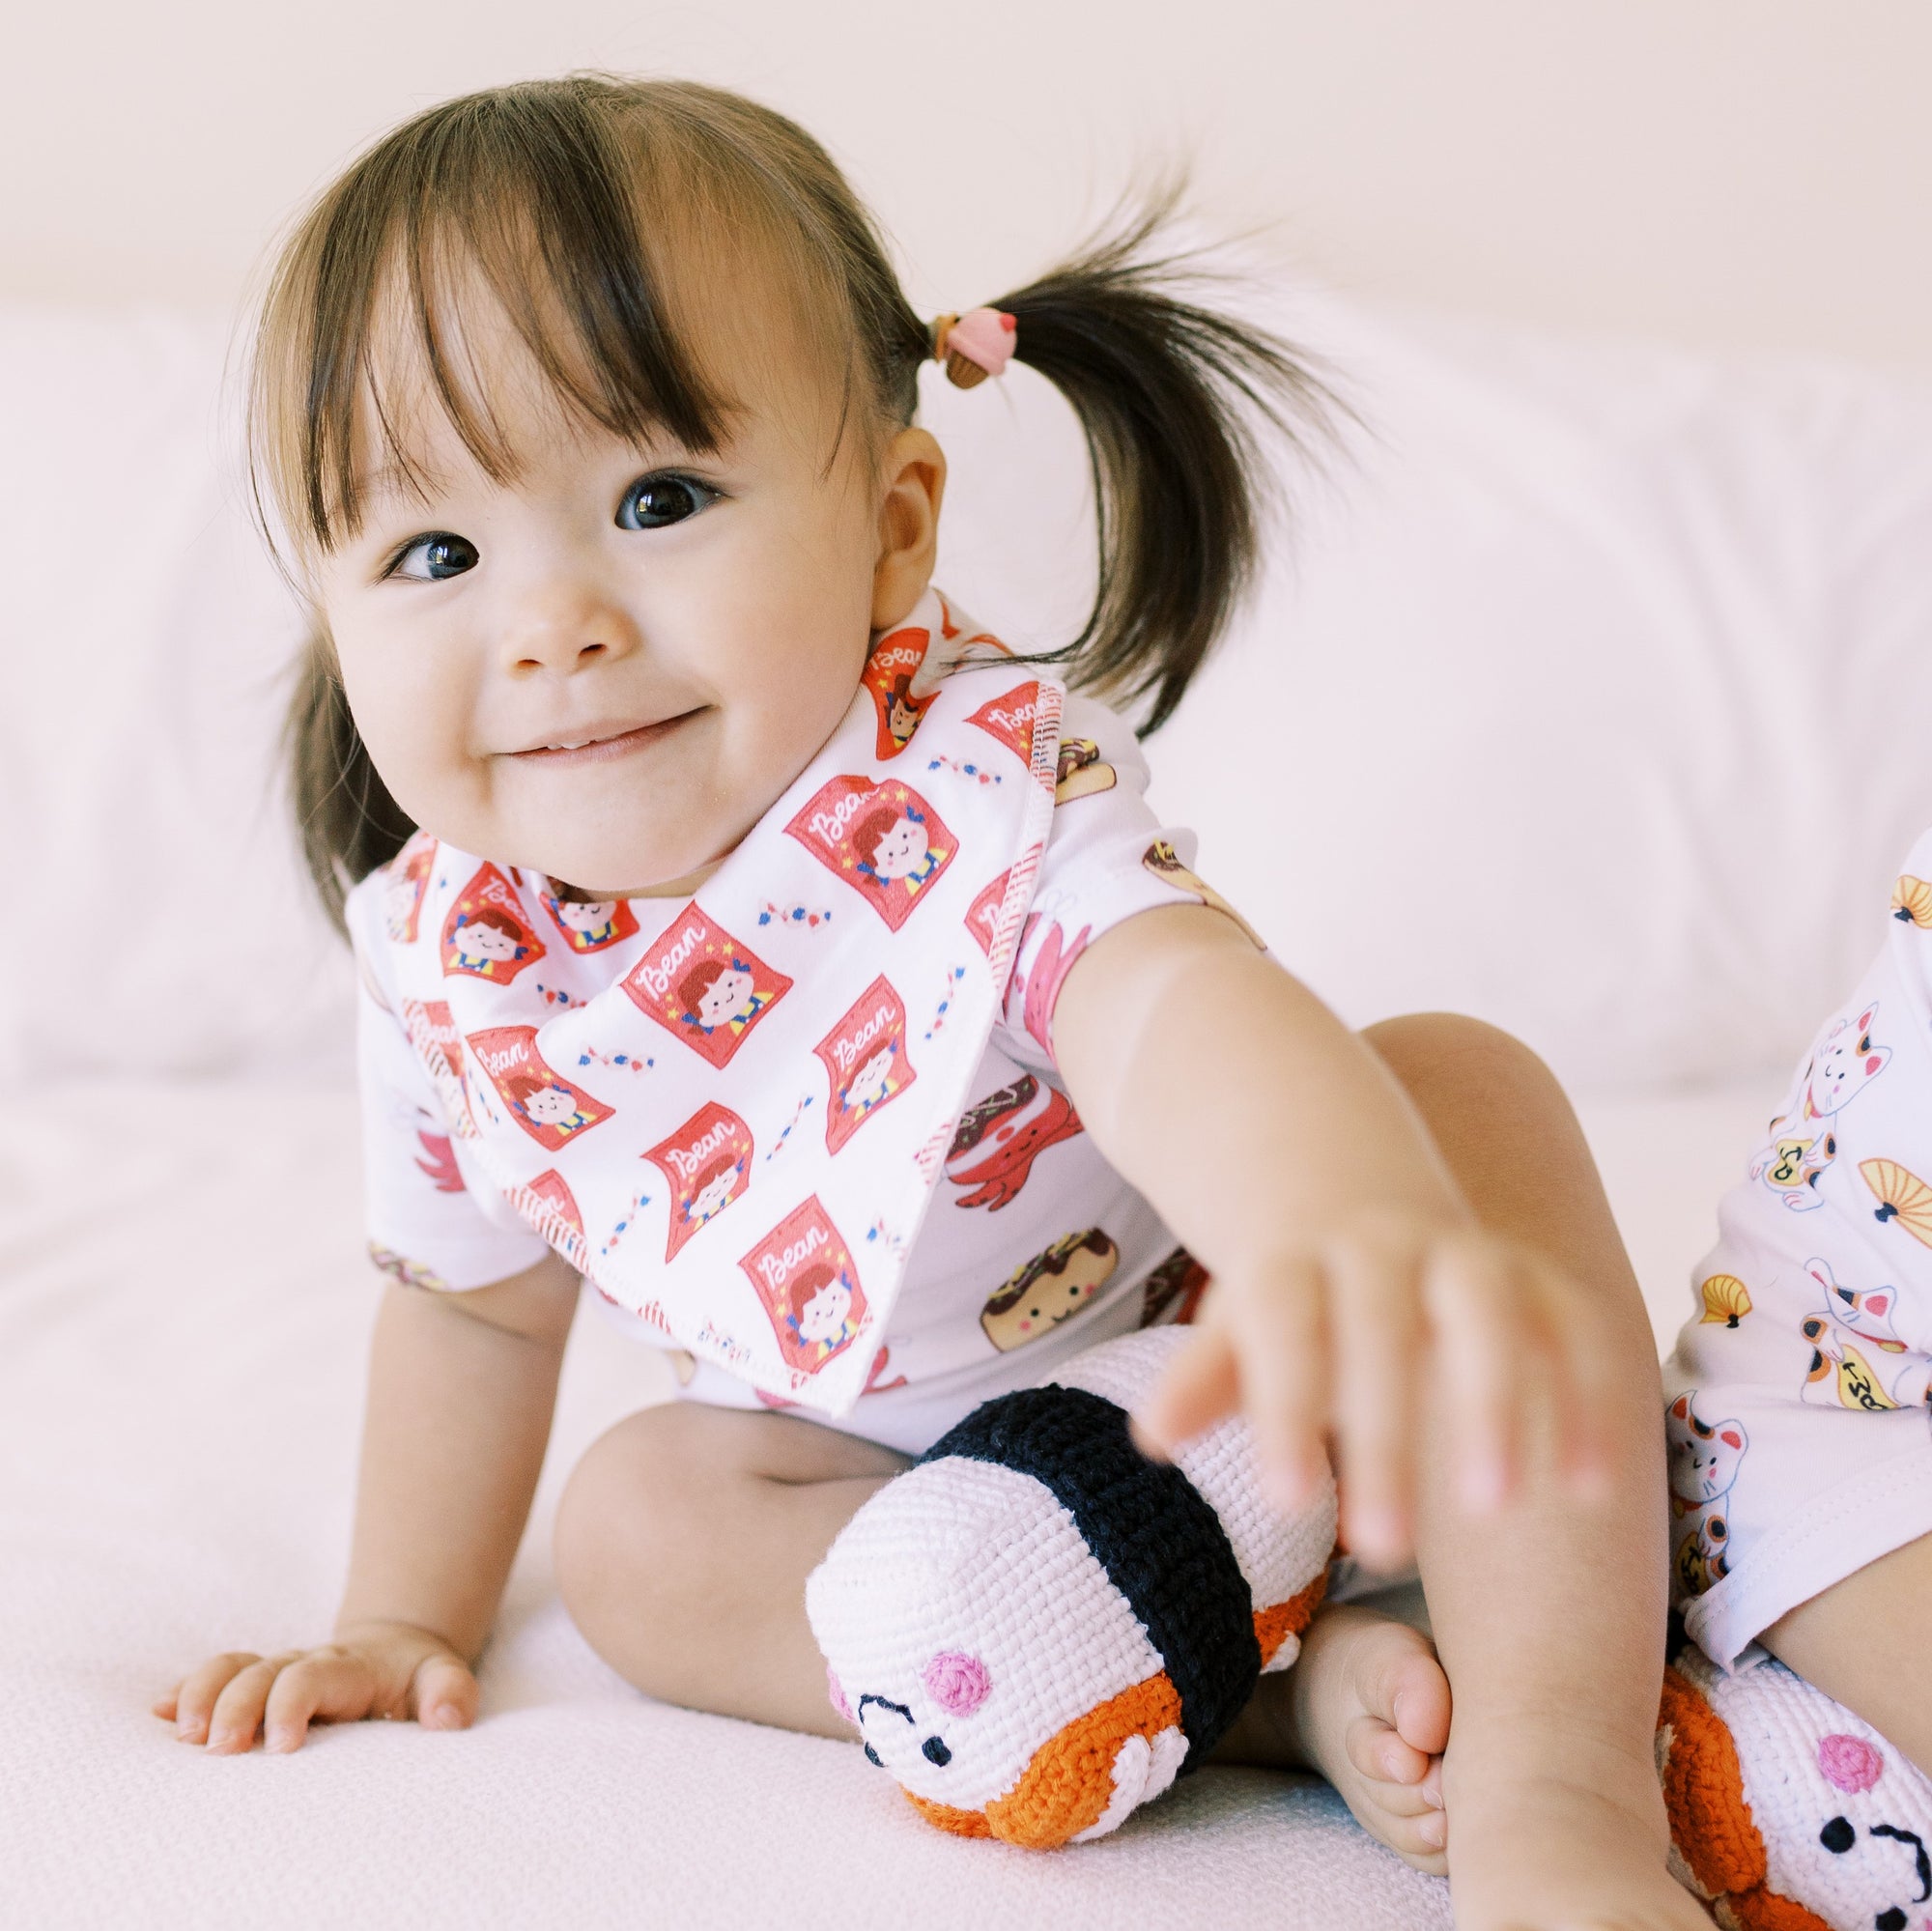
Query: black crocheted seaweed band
point(1148, 1528)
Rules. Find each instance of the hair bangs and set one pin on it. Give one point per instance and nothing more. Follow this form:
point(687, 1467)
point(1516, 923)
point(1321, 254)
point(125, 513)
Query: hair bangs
point(527, 197)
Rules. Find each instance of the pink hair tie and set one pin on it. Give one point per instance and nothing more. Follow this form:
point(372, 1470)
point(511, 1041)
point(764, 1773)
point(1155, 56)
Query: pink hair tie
point(974, 345)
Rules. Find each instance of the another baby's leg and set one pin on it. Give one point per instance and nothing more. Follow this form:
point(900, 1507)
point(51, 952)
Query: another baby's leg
point(1862, 1641)
point(683, 1542)
point(1549, 1614)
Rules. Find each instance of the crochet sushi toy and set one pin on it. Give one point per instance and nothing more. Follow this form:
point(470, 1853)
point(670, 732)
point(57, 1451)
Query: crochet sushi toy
point(1036, 1628)
point(1787, 1813)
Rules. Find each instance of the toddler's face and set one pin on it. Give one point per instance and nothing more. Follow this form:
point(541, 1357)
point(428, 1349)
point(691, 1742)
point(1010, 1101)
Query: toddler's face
point(607, 668)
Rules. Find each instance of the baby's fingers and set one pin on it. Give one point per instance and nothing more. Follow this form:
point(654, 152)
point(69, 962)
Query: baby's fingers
point(333, 1686)
point(191, 1702)
point(1279, 1334)
point(1474, 1292)
point(1200, 1386)
point(1376, 1324)
point(238, 1710)
point(442, 1693)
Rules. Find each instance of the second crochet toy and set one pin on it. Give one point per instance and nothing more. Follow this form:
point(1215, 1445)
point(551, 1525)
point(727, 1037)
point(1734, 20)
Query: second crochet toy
point(1035, 1628)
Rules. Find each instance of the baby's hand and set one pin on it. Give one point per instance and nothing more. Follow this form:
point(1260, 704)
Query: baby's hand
point(1358, 1337)
point(378, 1670)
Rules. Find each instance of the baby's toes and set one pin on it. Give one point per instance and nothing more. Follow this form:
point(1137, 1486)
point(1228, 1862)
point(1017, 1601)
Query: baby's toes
point(1418, 1700)
point(1379, 1753)
point(1418, 1837)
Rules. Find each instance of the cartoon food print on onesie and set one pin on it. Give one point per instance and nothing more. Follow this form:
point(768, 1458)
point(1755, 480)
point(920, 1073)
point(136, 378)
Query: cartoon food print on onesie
point(486, 934)
point(882, 838)
point(1035, 1629)
point(405, 880)
point(1804, 1141)
point(1164, 862)
point(589, 925)
point(1053, 1287)
point(807, 1284)
point(1000, 1137)
point(703, 986)
point(1704, 1460)
point(549, 1108)
point(1171, 1294)
point(865, 1059)
point(1081, 772)
point(1858, 1358)
point(1787, 1812)
point(707, 1163)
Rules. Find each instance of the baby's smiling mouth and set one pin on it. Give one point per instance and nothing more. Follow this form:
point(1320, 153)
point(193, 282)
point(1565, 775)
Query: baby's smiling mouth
point(600, 742)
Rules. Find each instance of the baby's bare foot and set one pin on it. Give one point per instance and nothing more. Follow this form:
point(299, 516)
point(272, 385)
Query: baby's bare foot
point(1370, 1708)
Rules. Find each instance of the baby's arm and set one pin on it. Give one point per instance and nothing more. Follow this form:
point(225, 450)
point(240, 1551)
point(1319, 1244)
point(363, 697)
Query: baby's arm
point(462, 1387)
point(1347, 1264)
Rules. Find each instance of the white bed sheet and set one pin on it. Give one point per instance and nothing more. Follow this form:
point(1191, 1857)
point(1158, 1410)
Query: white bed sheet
point(184, 1307)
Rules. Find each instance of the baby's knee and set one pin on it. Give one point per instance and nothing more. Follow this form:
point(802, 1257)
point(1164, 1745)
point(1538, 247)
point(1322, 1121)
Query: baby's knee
point(628, 1545)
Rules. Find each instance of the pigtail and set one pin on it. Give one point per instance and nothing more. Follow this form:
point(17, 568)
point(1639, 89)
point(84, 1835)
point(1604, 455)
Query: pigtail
point(1175, 399)
point(348, 822)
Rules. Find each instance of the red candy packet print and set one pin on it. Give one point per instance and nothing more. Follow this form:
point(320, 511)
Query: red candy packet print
point(549, 1108)
point(1011, 717)
point(983, 915)
point(408, 880)
point(883, 840)
point(589, 928)
point(806, 1280)
point(865, 1057)
point(890, 671)
point(552, 1189)
point(708, 1163)
point(704, 987)
point(486, 936)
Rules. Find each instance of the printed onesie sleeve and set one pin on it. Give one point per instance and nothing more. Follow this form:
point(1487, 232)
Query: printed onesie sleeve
point(432, 1219)
point(1107, 857)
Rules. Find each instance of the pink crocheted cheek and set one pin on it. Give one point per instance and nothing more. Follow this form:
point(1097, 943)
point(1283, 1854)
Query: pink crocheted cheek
point(836, 1690)
point(959, 1684)
point(1850, 1763)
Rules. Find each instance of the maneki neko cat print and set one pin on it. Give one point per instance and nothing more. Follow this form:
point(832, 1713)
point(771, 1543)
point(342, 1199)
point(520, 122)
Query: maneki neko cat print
point(734, 1115)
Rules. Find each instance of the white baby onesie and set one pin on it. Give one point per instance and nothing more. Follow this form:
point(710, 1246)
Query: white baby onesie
point(1801, 1440)
point(806, 1127)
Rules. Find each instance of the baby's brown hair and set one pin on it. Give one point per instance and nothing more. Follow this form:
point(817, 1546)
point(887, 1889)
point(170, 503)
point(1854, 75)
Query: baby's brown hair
point(572, 199)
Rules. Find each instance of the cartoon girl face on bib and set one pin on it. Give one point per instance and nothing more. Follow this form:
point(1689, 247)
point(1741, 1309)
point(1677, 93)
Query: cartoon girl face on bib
point(590, 924)
point(545, 1103)
point(486, 938)
point(869, 1082)
point(892, 844)
point(713, 1192)
point(821, 1300)
point(717, 994)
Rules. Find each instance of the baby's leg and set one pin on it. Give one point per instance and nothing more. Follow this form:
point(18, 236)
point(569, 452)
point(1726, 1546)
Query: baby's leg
point(1547, 1615)
point(683, 1542)
point(1862, 1641)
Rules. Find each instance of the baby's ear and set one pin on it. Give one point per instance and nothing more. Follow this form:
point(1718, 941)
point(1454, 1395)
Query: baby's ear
point(912, 488)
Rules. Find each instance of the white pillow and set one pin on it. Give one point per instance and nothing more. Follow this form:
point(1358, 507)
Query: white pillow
point(1594, 698)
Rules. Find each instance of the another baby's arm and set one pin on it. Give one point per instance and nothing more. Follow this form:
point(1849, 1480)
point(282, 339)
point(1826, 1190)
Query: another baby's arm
point(1351, 1282)
point(462, 1387)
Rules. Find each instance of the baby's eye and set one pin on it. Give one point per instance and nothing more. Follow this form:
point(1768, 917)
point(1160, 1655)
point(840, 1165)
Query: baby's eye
point(652, 502)
point(429, 560)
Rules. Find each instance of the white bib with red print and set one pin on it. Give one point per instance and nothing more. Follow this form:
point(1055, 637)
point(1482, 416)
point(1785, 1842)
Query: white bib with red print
point(741, 1155)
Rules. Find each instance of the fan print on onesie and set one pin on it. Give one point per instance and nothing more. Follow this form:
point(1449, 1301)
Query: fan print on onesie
point(808, 1285)
point(708, 1163)
point(865, 1057)
point(405, 880)
point(882, 839)
point(704, 987)
point(486, 936)
point(544, 1105)
point(589, 926)
point(891, 673)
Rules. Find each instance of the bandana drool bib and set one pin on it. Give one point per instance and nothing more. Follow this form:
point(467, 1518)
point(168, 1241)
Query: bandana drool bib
point(732, 1120)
